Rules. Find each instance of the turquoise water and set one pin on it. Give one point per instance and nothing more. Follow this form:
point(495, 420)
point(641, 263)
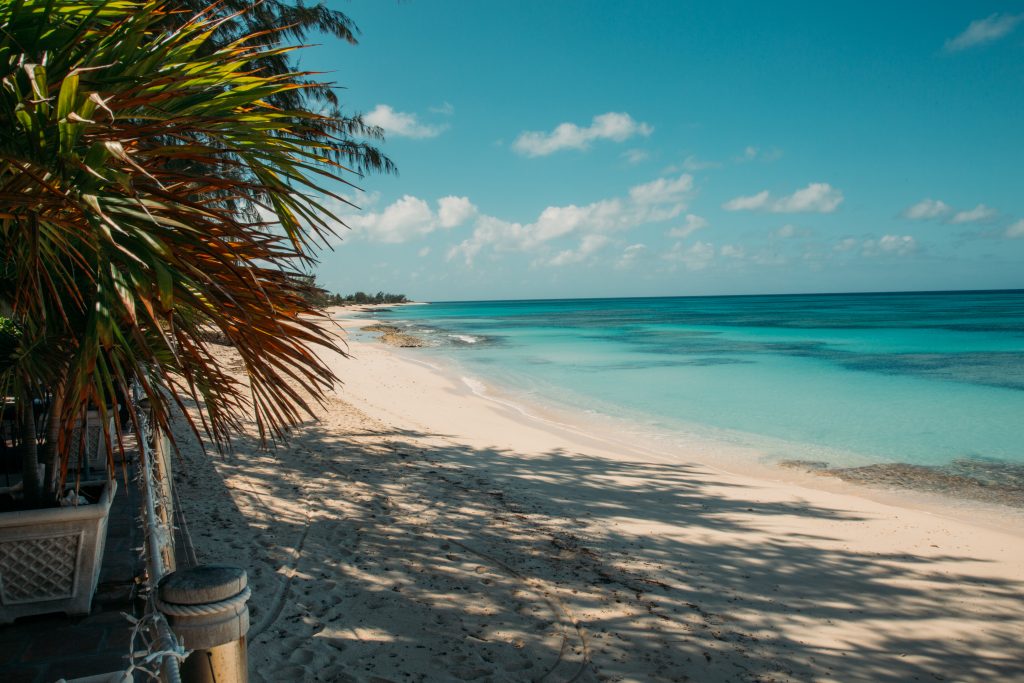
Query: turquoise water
point(924, 379)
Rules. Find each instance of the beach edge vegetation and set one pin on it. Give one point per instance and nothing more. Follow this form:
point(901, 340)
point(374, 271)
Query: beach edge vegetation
point(153, 188)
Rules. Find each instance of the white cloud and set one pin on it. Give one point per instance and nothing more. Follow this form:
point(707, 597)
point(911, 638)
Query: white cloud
point(409, 218)
point(660, 200)
point(927, 208)
point(662, 190)
point(1016, 230)
point(786, 231)
point(693, 224)
point(752, 153)
point(696, 257)
point(614, 126)
point(401, 124)
point(732, 251)
point(900, 245)
point(590, 244)
point(692, 163)
point(403, 220)
point(753, 202)
point(629, 256)
point(847, 244)
point(978, 214)
point(635, 156)
point(454, 211)
point(446, 108)
point(425, 251)
point(815, 198)
point(987, 30)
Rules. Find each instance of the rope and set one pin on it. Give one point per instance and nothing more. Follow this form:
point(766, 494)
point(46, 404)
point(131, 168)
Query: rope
point(209, 609)
point(152, 659)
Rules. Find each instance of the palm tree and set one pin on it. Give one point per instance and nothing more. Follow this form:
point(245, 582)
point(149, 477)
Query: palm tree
point(269, 21)
point(153, 187)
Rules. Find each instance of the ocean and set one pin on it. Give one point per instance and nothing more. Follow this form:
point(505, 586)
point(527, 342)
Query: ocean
point(839, 380)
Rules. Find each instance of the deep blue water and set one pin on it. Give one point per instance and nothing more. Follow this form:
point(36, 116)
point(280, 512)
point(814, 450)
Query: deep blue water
point(923, 378)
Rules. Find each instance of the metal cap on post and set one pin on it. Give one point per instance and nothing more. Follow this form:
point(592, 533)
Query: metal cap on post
point(205, 606)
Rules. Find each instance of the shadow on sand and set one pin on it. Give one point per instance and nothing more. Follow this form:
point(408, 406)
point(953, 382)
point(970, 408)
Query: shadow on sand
point(397, 555)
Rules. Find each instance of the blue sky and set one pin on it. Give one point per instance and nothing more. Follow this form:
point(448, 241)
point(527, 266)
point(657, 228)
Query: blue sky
point(588, 149)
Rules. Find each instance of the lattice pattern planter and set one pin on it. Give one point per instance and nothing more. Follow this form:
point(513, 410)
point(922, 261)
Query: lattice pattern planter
point(50, 559)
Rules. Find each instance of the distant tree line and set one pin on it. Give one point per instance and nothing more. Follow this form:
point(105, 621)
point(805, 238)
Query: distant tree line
point(308, 288)
point(364, 298)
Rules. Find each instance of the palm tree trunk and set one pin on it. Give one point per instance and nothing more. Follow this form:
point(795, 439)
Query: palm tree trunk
point(30, 453)
point(53, 425)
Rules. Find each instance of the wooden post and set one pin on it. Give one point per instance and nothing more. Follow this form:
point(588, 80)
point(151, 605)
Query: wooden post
point(205, 607)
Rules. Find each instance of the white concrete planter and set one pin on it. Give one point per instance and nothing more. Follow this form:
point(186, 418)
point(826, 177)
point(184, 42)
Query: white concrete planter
point(50, 559)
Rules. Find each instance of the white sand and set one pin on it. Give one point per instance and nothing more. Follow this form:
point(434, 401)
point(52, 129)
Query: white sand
point(419, 532)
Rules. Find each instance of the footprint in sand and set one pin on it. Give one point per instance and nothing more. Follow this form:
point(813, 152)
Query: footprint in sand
point(470, 673)
point(289, 673)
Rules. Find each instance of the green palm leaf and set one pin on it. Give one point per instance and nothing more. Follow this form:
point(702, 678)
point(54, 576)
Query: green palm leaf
point(135, 155)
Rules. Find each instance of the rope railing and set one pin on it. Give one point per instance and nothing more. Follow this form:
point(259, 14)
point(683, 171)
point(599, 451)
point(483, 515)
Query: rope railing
point(162, 651)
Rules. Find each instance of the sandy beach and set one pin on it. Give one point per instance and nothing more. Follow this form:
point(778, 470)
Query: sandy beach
point(420, 532)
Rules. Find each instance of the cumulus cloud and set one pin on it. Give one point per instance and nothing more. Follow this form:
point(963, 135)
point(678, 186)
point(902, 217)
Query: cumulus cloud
point(636, 156)
point(662, 190)
point(615, 126)
point(926, 209)
point(630, 255)
point(982, 31)
point(691, 164)
point(732, 251)
point(847, 244)
point(815, 198)
point(899, 245)
point(401, 124)
point(695, 257)
point(454, 211)
point(659, 200)
point(754, 202)
point(1016, 230)
point(410, 218)
point(978, 214)
point(752, 153)
point(590, 244)
point(692, 224)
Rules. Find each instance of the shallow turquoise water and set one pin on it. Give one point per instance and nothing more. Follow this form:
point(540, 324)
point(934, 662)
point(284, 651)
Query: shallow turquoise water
point(849, 379)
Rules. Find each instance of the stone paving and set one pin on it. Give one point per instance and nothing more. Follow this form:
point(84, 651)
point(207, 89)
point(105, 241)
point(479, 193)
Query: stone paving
point(47, 648)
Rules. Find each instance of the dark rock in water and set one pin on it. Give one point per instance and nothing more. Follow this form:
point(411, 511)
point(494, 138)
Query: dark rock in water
point(808, 465)
point(984, 481)
point(394, 337)
point(988, 481)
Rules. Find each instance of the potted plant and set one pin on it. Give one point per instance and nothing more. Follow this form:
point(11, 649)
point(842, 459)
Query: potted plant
point(159, 178)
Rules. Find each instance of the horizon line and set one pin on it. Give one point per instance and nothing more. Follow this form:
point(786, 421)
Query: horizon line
point(733, 296)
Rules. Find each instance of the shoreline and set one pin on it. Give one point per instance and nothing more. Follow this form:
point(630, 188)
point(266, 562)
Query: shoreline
point(417, 532)
point(902, 485)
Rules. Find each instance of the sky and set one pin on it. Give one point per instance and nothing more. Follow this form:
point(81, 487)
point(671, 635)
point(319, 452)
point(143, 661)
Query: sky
point(593, 149)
